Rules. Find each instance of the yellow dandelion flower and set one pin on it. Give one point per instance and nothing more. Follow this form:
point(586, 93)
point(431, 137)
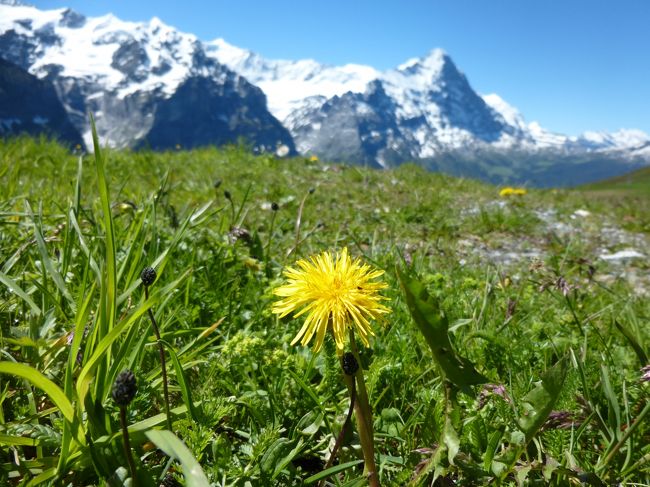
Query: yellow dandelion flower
point(509, 191)
point(332, 290)
point(313, 158)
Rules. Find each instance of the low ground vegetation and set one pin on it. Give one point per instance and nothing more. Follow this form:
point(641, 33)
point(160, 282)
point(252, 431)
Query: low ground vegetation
point(540, 297)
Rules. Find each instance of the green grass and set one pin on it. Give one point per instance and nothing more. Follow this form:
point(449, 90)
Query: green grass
point(636, 181)
point(559, 334)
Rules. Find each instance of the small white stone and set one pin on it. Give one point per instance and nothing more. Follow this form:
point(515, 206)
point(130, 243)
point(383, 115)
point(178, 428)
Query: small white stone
point(622, 254)
point(580, 213)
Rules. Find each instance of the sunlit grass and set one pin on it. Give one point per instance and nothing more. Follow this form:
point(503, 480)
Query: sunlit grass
point(518, 283)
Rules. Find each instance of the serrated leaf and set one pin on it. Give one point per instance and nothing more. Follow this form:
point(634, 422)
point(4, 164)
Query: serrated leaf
point(539, 402)
point(490, 451)
point(434, 326)
point(450, 437)
point(477, 434)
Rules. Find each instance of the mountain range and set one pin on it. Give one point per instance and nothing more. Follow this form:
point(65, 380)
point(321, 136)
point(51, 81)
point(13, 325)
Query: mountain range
point(150, 85)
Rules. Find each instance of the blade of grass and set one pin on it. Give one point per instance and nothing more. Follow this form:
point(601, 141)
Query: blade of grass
point(175, 448)
point(56, 395)
point(17, 290)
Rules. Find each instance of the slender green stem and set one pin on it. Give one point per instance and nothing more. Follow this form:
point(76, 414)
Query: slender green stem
point(363, 414)
point(575, 316)
point(339, 438)
point(268, 246)
point(127, 445)
point(163, 362)
point(298, 223)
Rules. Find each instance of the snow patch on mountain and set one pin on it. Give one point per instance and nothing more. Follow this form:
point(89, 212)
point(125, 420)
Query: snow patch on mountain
point(423, 108)
point(118, 55)
point(510, 114)
point(431, 99)
point(287, 84)
point(130, 74)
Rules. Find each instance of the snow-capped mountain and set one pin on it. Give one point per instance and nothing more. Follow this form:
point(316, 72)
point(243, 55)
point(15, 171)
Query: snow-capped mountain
point(150, 84)
point(146, 83)
point(287, 84)
point(431, 106)
point(29, 105)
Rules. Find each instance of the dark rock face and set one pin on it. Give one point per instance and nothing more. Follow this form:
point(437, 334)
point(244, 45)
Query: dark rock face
point(367, 128)
point(46, 35)
point(72, 19)
point(132, 60)
point(204, 112)
point(360, 128)
point(212, 106)
point(31, 106)
point(462, 107)
point(18, 49)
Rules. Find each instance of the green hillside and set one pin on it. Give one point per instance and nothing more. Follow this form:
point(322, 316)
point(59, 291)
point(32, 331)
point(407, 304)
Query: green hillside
point(636, 181)
point(511, 353)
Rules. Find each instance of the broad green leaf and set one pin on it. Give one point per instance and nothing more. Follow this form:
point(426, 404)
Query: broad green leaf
point(18, 441)
point(434, 326)
point(175, 448)
point(43, 477)
point(539, 402)
point(53, 391)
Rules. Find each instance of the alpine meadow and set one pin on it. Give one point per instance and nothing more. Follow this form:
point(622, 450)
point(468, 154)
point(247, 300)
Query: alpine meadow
point(153, 306)
point(324, 244)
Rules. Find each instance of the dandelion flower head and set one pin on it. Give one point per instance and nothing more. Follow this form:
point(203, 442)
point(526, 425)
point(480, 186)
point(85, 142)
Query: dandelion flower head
point(509, 191)
point(331, 290)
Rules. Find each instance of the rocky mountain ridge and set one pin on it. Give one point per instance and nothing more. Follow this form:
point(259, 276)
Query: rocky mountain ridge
point(151, 85)
point(146, 83)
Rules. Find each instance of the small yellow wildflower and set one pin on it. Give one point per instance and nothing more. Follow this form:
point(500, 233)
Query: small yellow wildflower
point(313, 158)
point(332, 290)
point(509, 191)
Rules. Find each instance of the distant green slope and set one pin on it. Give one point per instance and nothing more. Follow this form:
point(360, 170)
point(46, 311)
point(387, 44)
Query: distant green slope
point(636, 181)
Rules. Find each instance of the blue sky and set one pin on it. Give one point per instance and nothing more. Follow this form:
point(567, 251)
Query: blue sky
point(572, 65)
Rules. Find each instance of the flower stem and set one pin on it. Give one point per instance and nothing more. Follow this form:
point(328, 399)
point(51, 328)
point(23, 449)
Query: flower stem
point(363, 414)
point(163, 362)
point(339, 438)
point(268, 246)
point(127, 445)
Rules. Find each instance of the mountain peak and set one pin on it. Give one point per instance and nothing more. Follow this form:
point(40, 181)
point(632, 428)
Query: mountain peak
point(432, 64)
point(422, 109)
